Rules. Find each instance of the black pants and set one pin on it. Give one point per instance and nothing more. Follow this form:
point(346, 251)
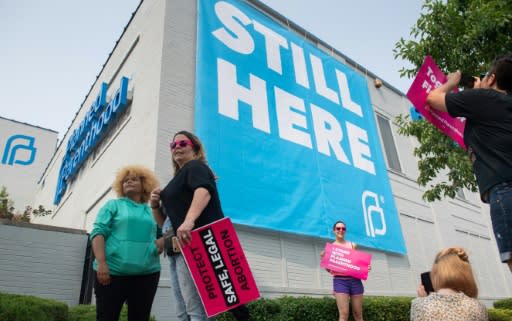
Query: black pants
point(138, 291)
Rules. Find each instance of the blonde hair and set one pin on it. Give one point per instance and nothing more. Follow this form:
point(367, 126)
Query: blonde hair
point(197, 148)
point(147, 177)
point(452, 270)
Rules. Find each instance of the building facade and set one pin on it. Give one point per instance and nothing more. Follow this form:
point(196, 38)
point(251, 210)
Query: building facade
point(219, 68)
point(25, 151)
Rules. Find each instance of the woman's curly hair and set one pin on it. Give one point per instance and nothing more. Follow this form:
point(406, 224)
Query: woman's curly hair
point(147, 176)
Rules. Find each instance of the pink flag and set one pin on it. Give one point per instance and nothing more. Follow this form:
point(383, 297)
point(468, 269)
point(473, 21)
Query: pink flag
point(346, 261)
point(429, 77)
point(219, 268)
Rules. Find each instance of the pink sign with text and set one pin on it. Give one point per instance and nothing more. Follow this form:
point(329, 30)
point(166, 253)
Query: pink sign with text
point(429, 77)
point(219, 267)
point(346, 261)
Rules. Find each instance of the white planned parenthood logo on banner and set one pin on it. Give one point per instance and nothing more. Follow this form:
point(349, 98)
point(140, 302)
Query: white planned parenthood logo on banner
point(369, 210)
point(289, 130)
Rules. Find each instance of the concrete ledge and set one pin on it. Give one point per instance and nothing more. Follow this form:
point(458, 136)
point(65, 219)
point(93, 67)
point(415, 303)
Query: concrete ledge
point(42, 227)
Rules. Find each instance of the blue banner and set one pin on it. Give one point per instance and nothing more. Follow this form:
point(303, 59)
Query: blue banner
point(289, 131)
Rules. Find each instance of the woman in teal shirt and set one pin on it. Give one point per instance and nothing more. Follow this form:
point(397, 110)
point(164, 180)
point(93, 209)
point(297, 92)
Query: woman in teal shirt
point(127, 262)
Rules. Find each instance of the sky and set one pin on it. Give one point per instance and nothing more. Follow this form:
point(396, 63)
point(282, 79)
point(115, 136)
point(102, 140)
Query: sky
point(51, 51)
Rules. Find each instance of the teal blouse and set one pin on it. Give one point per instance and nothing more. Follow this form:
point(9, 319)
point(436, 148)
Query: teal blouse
point(130, 232)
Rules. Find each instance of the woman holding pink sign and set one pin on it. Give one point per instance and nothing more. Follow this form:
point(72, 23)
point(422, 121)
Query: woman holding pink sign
point(346, 288)
point(190, 200)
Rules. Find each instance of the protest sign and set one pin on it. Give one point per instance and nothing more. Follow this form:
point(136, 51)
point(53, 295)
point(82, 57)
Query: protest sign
point(219, 267)
point(346, 261)
point(428, 78)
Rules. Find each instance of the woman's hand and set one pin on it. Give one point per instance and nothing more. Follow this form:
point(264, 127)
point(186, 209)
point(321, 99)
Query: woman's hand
point(160, 245)
point(322, 254)
point(454, 77)
point(421, 291)
point(184, 232)
point(154, 198)
point(103, 273)
point(199, 201)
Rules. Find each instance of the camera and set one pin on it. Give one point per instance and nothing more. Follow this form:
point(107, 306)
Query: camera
point(467, 81)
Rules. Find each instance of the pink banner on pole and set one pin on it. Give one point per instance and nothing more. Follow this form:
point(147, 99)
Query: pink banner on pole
point(346, 261)
point(219, 268)
point(429, 77)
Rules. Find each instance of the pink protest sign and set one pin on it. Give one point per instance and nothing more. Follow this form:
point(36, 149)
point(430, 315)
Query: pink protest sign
point(346, 261)
point(219, 267)
point(429, 77)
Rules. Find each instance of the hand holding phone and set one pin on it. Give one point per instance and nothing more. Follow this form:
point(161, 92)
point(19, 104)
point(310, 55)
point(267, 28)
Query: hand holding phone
point(427, 282)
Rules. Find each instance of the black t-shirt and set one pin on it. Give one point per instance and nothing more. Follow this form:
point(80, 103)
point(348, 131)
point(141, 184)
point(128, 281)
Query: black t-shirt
point(177, 195)
point(487, 134)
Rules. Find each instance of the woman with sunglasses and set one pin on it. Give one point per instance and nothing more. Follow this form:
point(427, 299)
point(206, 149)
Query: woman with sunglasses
point(190, 200)
point(346, 288)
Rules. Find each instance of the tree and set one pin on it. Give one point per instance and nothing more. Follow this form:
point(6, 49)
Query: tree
point(6, 204)
point(8, 211)
point(460, 35)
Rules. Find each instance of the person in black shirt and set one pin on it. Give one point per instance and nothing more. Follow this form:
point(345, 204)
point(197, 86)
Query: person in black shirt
point(488, 137)
point(190, 200)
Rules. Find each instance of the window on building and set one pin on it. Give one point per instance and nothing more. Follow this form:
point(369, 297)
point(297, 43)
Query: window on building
point(460, 194)
point(389, 143)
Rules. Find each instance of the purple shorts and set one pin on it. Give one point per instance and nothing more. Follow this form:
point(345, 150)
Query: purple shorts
point(347, 285)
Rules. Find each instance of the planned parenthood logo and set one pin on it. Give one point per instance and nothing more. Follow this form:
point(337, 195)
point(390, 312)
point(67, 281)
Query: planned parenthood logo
point(372, 209)
point(19, 150)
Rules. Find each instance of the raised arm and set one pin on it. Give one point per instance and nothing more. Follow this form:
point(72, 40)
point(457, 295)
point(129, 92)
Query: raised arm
point(154, 203)
point(436, 98)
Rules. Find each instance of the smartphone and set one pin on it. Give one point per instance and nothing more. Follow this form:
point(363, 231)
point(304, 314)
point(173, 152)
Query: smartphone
point(427, 282)
point(175, 245)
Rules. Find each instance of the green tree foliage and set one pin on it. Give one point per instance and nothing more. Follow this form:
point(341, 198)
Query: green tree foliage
point(6, 204)
point(460, 35)
point(8, 211)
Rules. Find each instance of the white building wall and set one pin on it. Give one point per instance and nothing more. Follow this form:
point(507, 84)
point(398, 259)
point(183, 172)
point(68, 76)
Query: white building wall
point(162, 66)
point(42, 260)
point(22, 162)
point(176, 90)
point(138, 55)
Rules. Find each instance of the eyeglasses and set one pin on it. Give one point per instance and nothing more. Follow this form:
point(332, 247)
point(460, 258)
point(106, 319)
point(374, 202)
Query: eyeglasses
point(343, 228)
point(181, 143)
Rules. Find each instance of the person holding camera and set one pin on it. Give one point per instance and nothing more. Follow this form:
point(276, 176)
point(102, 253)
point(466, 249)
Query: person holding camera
point(455, 291)
point(488, 137)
